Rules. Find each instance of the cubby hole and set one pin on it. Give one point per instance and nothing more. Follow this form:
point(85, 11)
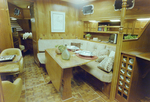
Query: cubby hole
point(122, 71)
point(126, 91)
point(108, 26)
point(121, 77)
point(119, 88)
point(124, 58)
point(125, 96)
point(131, 60)
point(119, 92)
point(126, 85)
point(129, 73)
point(123, 65)
point(130, 67)
point(127, 79)
point(120, 82)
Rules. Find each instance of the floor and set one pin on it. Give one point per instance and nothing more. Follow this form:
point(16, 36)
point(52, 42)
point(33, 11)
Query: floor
point(36, 89)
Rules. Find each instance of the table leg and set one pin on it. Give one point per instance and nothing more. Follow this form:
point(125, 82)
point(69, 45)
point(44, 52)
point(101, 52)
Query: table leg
point(67, 75)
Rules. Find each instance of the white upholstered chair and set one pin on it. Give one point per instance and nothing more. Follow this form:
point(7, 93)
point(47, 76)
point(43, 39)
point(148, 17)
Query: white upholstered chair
point(12, 67)
point(12, 91)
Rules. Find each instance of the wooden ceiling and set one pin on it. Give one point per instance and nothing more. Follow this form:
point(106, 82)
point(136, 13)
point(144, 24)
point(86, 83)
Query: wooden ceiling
point(24, 3)
point(78, 1)
point(21, 3)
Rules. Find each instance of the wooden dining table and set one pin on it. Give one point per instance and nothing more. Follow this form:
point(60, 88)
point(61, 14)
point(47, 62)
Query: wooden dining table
point(60, 71)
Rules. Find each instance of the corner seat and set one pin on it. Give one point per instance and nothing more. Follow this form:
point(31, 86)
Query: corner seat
point(92, 68)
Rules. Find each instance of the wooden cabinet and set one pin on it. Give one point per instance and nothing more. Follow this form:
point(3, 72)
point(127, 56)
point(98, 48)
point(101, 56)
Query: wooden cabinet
point(90, 27)
point(133, 27)
point(101, 27)
point(125, 77)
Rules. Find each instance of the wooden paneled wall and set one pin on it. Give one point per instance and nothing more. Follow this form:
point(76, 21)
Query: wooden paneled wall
point(6, 40)
point(104, 9)
point(133, 26)
point(24, 24)
point(11, 11)
point(142, 43)
point(26, 13)
point(73, 27)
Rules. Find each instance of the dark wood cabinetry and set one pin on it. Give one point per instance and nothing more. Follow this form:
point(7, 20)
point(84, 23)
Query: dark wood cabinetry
point(15, 39)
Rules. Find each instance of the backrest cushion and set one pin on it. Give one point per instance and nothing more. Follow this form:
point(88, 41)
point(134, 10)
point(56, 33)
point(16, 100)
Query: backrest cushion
point(106, 64)
point(48, 43)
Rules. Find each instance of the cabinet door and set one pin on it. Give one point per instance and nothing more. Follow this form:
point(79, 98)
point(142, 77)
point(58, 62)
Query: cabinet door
point(125, 77)
point(87, 27)
point(6, 40)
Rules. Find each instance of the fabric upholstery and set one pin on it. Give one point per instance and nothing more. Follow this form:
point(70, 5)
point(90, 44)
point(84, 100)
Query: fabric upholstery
point(9, 68)
point(106, 64)
point(100, 58)
point(41, 57)
point(103, 52)
point(76, 44)
point(12, 91)
point(11, 51)
point(91, 68)
point(96, 48)
point(12, 67)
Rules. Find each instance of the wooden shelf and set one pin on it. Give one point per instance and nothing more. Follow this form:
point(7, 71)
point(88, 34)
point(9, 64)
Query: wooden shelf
point(145, 56)
point(140, 54)
point(108, 32)
point(110, 26)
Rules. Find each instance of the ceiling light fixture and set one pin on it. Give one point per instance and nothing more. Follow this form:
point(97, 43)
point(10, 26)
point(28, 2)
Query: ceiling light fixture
point(93, 21)
point(117, 20)
point(143, 19)
point(28, 6)
point(12, 18)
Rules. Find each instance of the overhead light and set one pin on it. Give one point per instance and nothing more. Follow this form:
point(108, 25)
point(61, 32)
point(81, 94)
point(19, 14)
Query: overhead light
point(12, 18)
point(143, 19)
point(117, 20)
point(28, 6)
point(93, 21)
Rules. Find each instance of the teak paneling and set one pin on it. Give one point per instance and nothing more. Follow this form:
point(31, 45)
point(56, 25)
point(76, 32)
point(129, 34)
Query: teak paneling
point(104, 10)
point(11, 11)
point(24, 23)
point(5, 34)
point(133, 26)
point(26, 13)
point(6, 40)
point(141, 43)
point(73, 27)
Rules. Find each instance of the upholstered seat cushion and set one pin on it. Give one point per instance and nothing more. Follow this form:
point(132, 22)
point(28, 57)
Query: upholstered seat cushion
point(9, 68)
point(106, 64)
point(12, 91)
point(41, 57)
point(91, 68)
point(15, 67)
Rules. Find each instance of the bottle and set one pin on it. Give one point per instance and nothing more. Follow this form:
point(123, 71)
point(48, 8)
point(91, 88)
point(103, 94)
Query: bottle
point(65, 54)
point(105, 28)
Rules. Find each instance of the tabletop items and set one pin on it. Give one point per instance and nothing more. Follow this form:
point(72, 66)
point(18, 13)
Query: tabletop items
point(65, 54)
point(7, 58)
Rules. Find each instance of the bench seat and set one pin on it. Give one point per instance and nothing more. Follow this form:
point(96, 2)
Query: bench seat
point(92, 68)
